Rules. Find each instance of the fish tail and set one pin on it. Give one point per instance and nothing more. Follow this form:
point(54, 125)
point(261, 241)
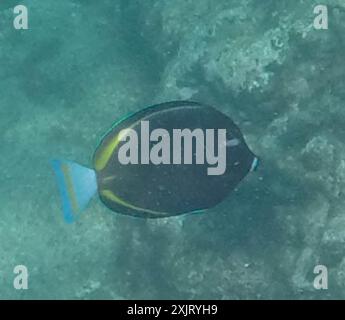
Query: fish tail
point(77, 185)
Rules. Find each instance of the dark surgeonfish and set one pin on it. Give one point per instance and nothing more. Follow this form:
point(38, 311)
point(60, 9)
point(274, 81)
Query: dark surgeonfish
point(166, 160)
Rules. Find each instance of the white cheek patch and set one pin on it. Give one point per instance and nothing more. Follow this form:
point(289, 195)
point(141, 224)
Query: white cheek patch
point(254, 165)
point(233, 143)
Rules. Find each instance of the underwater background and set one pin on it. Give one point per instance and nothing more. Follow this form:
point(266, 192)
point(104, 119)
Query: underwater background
point(84, 64)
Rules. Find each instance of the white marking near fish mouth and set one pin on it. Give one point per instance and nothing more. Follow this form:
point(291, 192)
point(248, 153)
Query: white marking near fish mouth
point(233, 143)
point(254, 165)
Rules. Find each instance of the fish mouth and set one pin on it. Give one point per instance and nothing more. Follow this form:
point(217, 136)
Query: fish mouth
point(255, 164)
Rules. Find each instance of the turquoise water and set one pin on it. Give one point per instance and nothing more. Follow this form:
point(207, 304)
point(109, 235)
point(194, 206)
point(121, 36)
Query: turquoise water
point(82, 65)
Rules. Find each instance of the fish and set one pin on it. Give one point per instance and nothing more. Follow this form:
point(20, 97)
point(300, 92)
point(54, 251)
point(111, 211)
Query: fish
point(169, 159)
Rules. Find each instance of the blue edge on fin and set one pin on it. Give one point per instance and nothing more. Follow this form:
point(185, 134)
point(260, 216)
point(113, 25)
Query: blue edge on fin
point(77, 185)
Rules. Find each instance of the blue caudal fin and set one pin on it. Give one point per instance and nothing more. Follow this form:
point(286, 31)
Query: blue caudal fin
point(77, 185)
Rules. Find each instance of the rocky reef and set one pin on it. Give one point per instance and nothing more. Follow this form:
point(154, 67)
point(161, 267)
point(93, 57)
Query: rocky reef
point(83, 64)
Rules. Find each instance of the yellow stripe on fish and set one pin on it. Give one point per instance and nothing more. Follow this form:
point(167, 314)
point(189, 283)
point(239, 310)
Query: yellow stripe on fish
point(109, 195)
point(70, 189)
point(104, 156)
